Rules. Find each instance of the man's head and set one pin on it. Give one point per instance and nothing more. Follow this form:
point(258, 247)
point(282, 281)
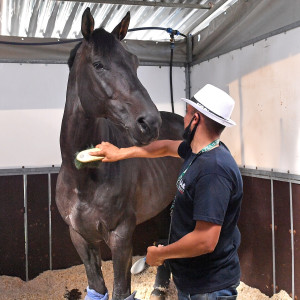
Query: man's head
point(213, 106)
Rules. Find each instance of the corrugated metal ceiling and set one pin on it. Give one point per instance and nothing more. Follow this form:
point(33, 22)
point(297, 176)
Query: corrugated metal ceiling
point(62, 19)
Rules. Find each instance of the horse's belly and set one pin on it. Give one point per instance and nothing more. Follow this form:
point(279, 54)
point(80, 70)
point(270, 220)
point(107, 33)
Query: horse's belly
point(157, 186)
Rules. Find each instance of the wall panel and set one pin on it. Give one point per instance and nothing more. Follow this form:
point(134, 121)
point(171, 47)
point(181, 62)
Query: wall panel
point(38, 224)
point(262, 78)
point(296, 223)
point(282, 223)
point(255, 223)
point(12, 246)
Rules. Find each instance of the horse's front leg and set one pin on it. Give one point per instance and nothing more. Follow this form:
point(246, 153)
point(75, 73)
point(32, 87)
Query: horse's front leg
point(120, 243)
point(90, 256)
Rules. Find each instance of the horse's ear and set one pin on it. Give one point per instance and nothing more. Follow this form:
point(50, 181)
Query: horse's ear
point(120, 30)
point(87, 23)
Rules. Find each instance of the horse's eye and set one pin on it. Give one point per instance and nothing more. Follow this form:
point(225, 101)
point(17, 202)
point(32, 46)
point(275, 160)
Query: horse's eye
point(98, 66)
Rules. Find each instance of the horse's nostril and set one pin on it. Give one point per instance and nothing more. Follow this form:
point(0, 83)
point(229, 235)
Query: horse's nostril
point(144, 127)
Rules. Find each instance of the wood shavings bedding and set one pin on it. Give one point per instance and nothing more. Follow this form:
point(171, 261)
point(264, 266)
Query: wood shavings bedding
point(54, 285)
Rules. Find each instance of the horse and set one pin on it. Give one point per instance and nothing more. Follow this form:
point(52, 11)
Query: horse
point(105, 101)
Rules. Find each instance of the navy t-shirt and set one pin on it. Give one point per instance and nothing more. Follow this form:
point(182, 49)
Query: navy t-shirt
point(211, 190)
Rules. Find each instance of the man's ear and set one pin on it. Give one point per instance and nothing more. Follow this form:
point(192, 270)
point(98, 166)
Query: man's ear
point(196, 117)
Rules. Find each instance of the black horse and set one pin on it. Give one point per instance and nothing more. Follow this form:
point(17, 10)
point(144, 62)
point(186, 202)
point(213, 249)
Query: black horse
point(106, 102)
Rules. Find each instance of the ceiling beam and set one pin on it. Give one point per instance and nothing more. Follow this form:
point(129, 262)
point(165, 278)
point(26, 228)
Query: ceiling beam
point(148, 3)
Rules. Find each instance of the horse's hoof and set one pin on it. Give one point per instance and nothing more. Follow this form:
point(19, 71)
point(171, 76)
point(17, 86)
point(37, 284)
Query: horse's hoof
point(158, 294)
point(131, 297)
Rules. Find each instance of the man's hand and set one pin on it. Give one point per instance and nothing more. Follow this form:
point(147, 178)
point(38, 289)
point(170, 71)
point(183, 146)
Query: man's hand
point(154, 256)
point(110, 152)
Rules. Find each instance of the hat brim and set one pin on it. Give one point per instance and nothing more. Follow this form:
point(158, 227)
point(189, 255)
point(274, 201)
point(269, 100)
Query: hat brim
point(225, 122)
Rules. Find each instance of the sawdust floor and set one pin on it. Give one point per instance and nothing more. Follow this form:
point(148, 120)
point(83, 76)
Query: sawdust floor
point(71, 283)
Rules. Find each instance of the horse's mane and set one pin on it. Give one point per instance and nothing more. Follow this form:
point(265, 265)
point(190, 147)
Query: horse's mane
point(106, 44)
point(72, 55)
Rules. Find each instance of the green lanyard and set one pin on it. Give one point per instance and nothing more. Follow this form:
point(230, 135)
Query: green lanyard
point(179, 180)
point(205, 149)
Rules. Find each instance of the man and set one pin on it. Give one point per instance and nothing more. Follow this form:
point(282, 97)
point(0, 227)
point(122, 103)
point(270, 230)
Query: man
point(204, 238)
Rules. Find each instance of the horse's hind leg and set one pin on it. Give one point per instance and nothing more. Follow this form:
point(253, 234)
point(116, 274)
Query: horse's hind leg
point(161, 284)
point(162, 279)
point(90, 256)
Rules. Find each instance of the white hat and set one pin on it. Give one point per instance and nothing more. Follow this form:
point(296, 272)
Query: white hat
point(214, 103)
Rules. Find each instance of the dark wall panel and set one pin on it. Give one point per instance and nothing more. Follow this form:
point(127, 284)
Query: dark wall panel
point(153, 231)
point(296, 218)
point(282, 221)
point(38, 224)
point(256, 247)
point(255, 225)
point(64, 254)
point(12, 246)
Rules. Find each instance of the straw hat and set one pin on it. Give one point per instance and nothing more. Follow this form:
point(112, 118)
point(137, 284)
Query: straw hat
point(213, 103)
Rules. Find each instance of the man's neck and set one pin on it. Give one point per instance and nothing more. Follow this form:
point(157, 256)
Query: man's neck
point(201, 140)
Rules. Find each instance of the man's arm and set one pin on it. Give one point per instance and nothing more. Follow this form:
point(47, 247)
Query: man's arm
point(203, 239)
point(160, 148)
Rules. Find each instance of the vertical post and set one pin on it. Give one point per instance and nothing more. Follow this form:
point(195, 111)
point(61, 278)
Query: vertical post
point(50, 220)
point(273, 238)
point(25, 224)
point(189, 59)
point(292, 240)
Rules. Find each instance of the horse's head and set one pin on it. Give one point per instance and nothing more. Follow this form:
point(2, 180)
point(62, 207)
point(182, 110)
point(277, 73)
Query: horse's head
point(107, 81)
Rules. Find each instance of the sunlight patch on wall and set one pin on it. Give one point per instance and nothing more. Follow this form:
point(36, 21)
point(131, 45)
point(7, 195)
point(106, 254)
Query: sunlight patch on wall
point(268, 116)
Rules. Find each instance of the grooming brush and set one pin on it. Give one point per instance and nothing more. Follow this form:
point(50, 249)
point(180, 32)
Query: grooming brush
point(84, 160)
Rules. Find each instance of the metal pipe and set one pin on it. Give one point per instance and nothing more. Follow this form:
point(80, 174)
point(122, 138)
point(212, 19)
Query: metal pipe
point(25, 224)
point(292, 240)
point(42, 61)
point(264, 174)
point(273, 238)
point(23, 171)
point(270, 174)
point(50, 220)
point(148, 3)
point(189, 58)
point(188, 81)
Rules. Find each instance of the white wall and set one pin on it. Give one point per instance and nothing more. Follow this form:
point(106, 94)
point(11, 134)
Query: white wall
point(32, 99)
point(264, 81)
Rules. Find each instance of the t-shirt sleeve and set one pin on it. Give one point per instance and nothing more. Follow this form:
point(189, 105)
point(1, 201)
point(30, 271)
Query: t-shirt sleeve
point(183, 149)
point(212, 195)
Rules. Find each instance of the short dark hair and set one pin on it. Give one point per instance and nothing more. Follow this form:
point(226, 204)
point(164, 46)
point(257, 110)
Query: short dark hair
point(211, 125)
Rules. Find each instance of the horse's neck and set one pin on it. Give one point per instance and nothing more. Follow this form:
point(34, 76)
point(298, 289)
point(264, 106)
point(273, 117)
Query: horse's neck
point(77, 128)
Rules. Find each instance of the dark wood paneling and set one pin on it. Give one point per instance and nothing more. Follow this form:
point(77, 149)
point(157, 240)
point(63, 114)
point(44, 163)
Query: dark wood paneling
point(255, 251)
point(64, 254)
point(296, 219)
point(12, 246)
point(282, 221)
point(38, 224)
point(153, 231)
